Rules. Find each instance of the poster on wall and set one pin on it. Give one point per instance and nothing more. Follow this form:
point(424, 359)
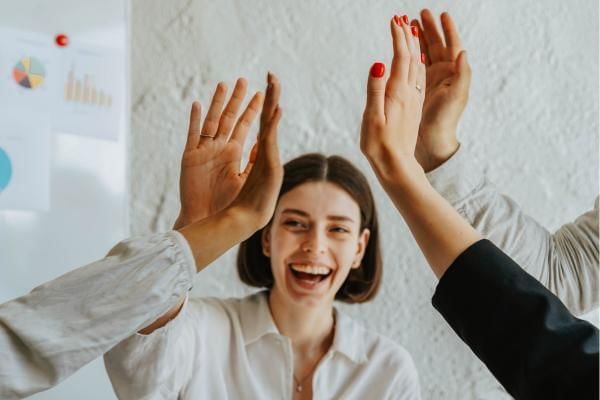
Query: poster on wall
point(44, 88)
point(29, 73)
point(25, 144)
point(80, 85)
point(92, 92)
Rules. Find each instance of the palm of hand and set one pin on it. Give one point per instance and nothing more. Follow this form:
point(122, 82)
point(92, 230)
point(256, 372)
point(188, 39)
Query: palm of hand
point(212, 165)
point(443, 100)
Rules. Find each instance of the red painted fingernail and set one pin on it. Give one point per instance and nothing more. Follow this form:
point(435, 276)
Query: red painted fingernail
point(415, 31)
point(397, 20)
point(405, 19)
point(423, 58)
point(377, 70)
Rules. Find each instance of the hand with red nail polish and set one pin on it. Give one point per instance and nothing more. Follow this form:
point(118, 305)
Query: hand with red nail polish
point(448, 81)
point(393, 111)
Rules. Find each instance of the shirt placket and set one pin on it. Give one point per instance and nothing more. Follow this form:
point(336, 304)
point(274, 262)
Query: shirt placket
point(321, 374)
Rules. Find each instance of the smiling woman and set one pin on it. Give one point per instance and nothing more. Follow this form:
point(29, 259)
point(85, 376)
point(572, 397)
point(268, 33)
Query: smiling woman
point(288, 341)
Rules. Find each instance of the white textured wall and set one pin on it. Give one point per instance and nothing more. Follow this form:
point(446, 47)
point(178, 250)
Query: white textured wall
point(532, 121)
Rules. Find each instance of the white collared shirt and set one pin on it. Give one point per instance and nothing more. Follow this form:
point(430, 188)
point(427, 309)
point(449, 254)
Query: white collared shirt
point(231, 349)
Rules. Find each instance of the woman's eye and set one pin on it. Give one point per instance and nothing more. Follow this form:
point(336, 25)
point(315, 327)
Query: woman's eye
point(339, 229)
point(293, 223)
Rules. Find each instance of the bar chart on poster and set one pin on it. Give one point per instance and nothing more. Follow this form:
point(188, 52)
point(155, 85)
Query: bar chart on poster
point(64, 118)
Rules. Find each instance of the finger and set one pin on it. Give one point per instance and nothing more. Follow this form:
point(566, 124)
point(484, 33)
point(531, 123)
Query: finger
point(464, 72)
point(451, 34)
point(435, 43)
point(400, 63)
point(194, 128)
point(415, 55)
point(375, 107)
point(399, 67)
point(271, 100)
point(268, 151)
point(410, 34)
point(211, 123)
point(430, 29)
point(422, 42)
point(271, 136)
point(231, 109)
point(242, 127)
point(420, 71)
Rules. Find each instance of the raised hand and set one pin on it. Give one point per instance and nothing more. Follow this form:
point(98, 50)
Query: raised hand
point(254, 202)
point(389, 133)
point(392, 114)
point(210, 167)
point(448, 81)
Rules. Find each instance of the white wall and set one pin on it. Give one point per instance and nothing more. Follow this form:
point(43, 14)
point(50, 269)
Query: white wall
point(532, 122)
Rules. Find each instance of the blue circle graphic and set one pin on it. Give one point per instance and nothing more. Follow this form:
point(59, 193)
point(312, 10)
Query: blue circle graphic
point(5, 170)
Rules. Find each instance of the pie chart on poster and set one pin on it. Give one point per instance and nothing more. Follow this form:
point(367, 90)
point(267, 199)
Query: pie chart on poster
point(29, 73)
point(5, 170)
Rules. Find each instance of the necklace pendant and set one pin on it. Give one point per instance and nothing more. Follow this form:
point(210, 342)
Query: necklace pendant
point(298, 388)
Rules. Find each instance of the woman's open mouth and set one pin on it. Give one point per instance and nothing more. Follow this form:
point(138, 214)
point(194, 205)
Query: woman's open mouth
point(309, 276)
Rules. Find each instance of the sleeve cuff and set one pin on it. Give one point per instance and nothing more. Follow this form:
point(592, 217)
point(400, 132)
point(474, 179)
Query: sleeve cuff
point(457, 178)
point(186, 253)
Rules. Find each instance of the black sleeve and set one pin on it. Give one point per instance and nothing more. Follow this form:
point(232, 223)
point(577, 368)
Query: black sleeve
point(523, 333)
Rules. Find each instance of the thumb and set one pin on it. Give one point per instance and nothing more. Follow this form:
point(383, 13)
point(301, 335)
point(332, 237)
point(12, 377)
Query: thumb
point(463, 70)
point(251, 159)
point(376, 91)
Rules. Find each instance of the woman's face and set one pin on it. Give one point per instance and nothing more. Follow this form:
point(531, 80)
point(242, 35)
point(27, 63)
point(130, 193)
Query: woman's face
point(314, 240)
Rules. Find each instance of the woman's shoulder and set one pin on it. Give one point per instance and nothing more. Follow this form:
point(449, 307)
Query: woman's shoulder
point(224, 309)
point(371, 346)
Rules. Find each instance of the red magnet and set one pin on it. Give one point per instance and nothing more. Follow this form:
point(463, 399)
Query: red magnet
point(61, 40)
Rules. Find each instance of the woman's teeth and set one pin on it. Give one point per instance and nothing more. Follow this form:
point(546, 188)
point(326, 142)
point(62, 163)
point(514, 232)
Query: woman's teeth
point(310, 269)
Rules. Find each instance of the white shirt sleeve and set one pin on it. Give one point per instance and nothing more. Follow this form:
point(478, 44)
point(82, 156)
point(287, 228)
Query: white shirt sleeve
point(566, 261)
point(60, 326)
point(157, 365)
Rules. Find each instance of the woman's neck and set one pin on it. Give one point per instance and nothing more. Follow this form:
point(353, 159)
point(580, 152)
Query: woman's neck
point(309, 328)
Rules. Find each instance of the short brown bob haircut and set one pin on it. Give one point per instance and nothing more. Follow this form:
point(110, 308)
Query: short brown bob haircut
point(362, 283)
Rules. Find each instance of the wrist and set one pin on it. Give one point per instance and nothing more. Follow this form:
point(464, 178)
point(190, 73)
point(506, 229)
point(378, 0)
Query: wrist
point(395, 171)
point(433, 153)
point(431, 160)
point(186, 219)
point(244, 221)
point(211, 237)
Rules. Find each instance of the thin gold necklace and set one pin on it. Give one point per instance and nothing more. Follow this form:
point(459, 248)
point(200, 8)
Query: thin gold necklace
point(300, 382)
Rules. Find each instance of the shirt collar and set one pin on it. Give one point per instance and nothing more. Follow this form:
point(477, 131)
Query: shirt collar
point(257, 322)
point(256, 317)
point(349, 338)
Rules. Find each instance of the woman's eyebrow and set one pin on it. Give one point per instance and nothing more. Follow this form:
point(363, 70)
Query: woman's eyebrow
point(305, 214)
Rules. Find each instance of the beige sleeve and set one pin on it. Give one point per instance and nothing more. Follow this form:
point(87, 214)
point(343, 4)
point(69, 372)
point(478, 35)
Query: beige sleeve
point(566, 261)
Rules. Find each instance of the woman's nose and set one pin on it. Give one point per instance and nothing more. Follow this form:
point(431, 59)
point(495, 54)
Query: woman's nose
point(314, 243)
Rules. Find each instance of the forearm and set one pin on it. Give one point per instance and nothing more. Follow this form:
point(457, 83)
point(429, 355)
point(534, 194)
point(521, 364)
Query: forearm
point(523, 333)
point(441, 233)
point(213, 236)
point(64, 324)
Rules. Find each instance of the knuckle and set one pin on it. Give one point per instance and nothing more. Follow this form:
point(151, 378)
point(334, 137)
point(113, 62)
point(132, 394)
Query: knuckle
point(228, 114)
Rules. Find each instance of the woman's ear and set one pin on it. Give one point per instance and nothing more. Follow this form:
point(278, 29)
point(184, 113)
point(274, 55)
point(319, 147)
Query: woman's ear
point(265, 240)
point(363, 241)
